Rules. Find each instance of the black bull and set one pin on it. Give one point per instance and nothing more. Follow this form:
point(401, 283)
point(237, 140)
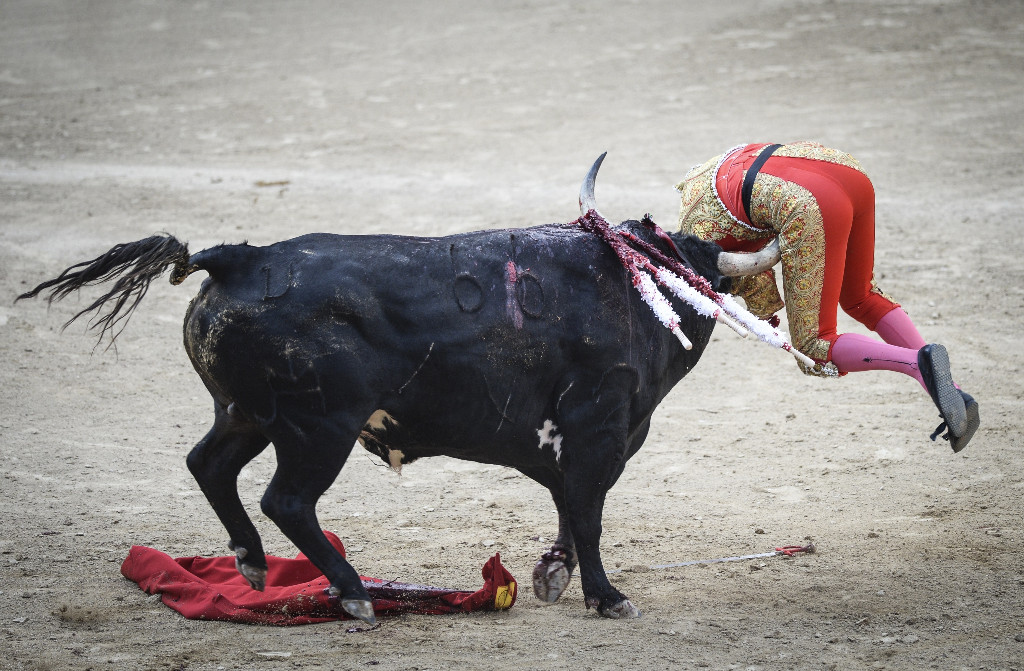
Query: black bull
point(526, 348)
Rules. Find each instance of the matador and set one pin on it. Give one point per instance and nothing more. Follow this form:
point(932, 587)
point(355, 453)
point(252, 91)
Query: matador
point(820, 205)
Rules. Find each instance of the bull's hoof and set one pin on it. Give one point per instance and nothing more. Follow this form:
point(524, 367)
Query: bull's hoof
point(361, 609)
point(623, 610)
point(551, 576)
point(256, 575)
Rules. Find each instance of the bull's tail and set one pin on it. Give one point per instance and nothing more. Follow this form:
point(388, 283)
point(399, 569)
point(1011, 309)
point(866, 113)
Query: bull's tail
point(135, 265)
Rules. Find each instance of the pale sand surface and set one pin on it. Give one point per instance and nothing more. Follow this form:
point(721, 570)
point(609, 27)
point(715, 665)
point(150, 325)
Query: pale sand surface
point(118, 120)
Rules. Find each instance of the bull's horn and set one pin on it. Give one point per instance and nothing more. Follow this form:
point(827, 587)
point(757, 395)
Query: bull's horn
point(587, 200)
point(736, 264)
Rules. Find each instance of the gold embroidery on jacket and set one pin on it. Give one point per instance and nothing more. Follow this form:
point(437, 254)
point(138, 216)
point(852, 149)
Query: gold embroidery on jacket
point(796, 218)
point(818, 152)
point(702, 214)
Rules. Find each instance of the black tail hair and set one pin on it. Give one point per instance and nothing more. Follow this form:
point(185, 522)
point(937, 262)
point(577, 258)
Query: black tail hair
point(135, 264)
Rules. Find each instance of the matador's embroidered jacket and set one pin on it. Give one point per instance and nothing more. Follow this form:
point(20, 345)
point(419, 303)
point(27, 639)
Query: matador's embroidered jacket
point(777, 208)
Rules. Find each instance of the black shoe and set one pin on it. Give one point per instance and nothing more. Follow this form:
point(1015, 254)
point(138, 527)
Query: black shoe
point(933, 362)
point(973, 422)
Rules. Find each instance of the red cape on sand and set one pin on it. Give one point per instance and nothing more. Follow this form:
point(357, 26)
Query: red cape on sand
point(210, 588)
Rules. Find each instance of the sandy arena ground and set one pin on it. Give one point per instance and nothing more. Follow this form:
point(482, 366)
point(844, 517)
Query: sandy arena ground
point(264, 120)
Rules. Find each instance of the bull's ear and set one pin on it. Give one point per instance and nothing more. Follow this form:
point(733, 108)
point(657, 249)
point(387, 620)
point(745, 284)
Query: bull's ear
point(723, 285)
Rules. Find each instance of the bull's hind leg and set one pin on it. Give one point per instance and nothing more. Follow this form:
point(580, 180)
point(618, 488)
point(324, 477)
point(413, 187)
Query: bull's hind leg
point(306, 467)
point(215, 463)
point(553, 571)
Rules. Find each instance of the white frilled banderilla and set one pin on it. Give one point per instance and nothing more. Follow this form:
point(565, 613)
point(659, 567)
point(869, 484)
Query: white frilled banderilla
point(649, 267)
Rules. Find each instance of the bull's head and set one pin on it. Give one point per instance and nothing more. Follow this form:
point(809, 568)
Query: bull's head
point(730, 264)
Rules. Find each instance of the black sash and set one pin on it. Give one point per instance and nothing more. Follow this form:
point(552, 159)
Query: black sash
point(748, 181)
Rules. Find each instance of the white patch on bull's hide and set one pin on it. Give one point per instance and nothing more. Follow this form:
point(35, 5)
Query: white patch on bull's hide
point(376, 420)
point(548, 438)
point(375, 423)
point(395, 459)
point(375, 429)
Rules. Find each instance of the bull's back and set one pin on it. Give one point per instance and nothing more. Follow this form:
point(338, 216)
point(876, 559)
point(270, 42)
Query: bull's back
point(471, 311)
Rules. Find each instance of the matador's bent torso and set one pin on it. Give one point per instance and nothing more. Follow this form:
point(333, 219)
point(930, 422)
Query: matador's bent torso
point(712, 209)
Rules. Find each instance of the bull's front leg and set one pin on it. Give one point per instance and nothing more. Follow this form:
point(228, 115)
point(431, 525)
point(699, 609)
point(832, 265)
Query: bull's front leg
point(594, 452)
point(585, 493)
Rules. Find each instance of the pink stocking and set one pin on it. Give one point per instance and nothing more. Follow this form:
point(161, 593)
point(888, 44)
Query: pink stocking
point(896, 328)
point(853, 352)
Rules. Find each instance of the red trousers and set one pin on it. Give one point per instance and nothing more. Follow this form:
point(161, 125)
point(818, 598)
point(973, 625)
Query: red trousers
point(846, 200)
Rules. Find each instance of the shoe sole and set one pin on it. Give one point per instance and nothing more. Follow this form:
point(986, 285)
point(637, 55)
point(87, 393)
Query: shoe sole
point(973, 422)
point(947, 396)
